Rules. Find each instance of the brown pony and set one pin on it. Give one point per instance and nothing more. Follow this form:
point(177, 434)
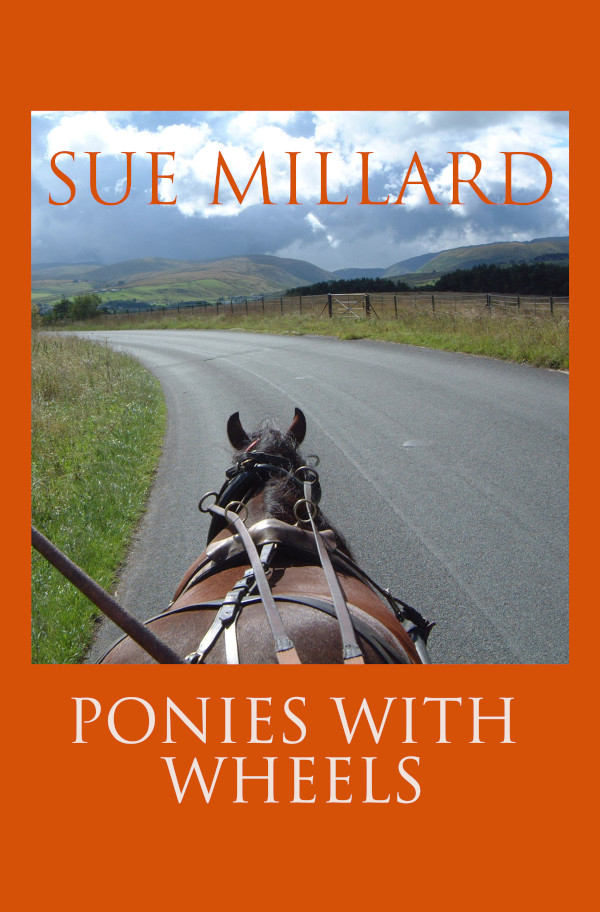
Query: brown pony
point(318, 606)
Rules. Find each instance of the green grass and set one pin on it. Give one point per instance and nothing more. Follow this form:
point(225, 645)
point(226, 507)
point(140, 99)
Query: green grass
point(48, 292)
point(538, 339)
point(98, 420)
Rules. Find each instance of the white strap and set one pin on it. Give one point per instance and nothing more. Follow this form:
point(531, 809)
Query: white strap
point(351, 651)
point(284, 647)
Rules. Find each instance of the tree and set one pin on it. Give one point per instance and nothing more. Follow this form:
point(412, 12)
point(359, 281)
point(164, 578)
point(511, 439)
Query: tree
point(515, 278)
point(85, 306)
point(82, 307)
point(60, 310)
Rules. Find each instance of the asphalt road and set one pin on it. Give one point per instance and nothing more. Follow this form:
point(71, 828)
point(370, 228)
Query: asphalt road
point(447, 473)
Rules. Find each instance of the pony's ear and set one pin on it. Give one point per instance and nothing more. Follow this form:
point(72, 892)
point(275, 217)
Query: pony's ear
point(297, 428)
point(236, 433)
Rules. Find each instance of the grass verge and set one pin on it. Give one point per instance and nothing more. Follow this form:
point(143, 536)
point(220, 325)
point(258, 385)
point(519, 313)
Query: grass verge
point(98, 420)
point(540, 340)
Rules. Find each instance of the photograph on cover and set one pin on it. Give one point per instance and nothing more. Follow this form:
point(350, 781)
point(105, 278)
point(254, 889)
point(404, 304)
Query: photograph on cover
point(300, 387)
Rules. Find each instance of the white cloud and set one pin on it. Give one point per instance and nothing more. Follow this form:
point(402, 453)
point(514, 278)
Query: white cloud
point(314, 223)
point(318, 227)
point(327, 233)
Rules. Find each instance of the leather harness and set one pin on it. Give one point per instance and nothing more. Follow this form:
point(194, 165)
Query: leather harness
point(250, 473)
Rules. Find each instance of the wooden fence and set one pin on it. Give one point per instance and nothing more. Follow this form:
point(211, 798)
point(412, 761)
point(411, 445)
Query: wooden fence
point(356, 306)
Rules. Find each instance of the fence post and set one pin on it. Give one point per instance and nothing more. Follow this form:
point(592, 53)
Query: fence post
point(281, 304)
point(231, 302)
point(396, 306)
point(368, 305)
point(329, 306)
point(488, 302)
point(300, 303)
point(518, 302)
point(246, 306)
point(433, 303)
point(551, 305)
point(263, 303)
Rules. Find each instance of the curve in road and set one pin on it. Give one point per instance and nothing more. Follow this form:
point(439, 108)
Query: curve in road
point(448, 474)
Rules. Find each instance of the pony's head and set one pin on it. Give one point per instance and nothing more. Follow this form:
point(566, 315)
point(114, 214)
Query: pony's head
point(266, 463)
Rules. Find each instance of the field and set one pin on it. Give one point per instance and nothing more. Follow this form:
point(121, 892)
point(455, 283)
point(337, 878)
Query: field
point(164, 282)
point(47, 292)
point(97, 425)
point(523, 330)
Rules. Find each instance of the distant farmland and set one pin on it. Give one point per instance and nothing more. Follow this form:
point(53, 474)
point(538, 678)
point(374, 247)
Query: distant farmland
point(171, 282)
point(160, 282)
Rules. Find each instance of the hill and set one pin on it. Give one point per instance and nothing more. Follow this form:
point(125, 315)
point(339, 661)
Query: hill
point(502, 253)
point(410, 266)
point(159, 281)
point(163, 281)
point(358, 273)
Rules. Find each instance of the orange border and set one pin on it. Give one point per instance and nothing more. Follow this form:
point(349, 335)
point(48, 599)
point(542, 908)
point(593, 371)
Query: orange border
point(495, 824)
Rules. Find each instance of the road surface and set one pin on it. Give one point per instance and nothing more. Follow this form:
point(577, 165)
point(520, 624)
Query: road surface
point(447, 473)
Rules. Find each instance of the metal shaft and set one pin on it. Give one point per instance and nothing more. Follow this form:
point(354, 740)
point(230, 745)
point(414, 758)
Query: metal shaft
point(105, 602)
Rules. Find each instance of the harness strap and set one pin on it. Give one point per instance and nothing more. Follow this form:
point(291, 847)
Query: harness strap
point(413, 622)
point(390, 654)
point(284, 647)
point(351, 651)
point(229, 552)
point(232, 654)
point(225, 619)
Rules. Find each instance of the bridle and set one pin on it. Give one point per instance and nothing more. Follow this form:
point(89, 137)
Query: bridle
point(248, 475)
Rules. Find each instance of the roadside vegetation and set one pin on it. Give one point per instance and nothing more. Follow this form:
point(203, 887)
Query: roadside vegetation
point(513, 330)
point(538, 339)
point(98, 419)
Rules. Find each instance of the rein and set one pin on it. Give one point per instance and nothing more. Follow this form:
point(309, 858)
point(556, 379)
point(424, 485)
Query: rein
point(284, 648)
point(244, 479)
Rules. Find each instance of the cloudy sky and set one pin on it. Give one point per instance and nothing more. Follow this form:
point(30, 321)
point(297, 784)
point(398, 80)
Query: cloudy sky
point(331, 236)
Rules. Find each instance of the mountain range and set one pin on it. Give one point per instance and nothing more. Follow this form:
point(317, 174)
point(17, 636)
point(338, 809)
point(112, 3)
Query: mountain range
point(166, 281)
point(500, 253)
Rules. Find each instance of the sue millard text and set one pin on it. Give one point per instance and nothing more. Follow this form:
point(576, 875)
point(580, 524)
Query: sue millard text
point(466, 167)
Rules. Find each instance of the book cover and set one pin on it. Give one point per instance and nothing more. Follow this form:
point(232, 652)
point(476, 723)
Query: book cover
point(316, 784)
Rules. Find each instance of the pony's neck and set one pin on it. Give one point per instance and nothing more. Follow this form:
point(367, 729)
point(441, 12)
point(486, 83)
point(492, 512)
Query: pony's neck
point(256, 509)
